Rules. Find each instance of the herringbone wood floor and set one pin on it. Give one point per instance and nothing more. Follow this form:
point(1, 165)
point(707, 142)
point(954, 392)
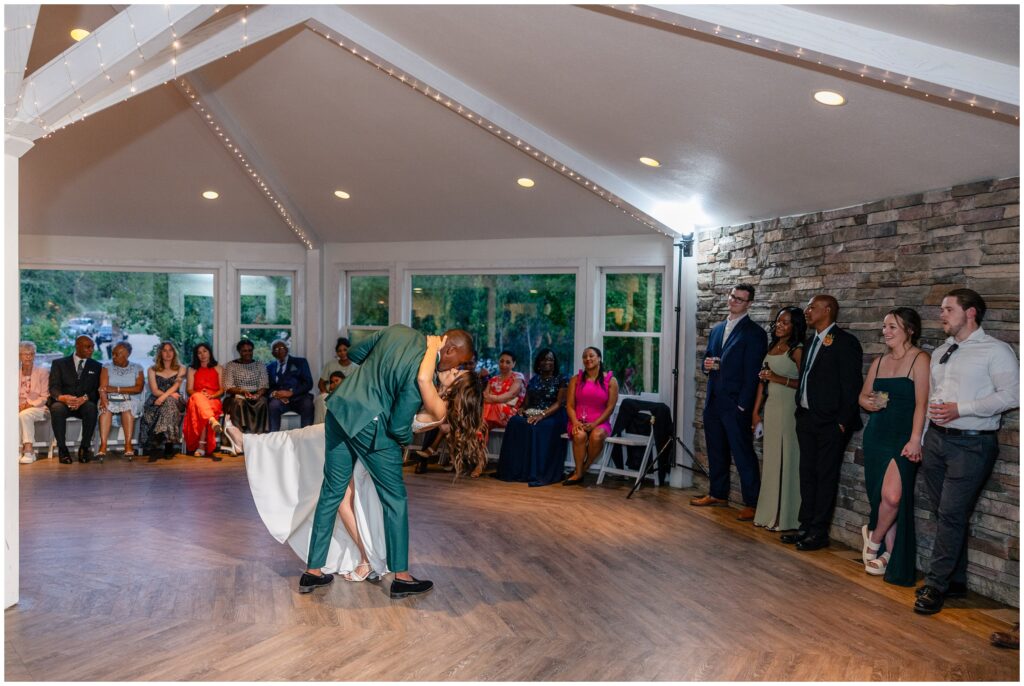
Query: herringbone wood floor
point(165, 572)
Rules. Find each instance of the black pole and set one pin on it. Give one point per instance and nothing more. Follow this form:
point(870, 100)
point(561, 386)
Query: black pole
point(685, 247)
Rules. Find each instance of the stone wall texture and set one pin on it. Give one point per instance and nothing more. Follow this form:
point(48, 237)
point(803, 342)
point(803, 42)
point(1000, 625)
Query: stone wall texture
point(903, 251)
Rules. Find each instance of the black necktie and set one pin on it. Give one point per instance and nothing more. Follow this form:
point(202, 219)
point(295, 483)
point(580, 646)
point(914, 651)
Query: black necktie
point(81, 366)
point(806, 370)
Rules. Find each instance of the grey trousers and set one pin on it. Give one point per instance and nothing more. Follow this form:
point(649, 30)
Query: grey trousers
point(955, 468)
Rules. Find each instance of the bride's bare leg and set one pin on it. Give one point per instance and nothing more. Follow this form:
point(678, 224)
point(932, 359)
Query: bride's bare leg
point(348, 517)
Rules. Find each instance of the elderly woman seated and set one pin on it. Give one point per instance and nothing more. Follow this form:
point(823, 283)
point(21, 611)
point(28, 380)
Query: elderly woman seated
point(32, 394)
point(121, 387)
point(246, 384)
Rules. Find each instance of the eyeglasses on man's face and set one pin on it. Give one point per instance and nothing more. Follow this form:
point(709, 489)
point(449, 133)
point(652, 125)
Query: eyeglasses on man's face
point(738, 299)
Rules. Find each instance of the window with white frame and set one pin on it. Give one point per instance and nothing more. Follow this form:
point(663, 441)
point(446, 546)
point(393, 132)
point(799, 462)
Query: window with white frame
point(266, 307)
point(369, 304)
point(631, 328)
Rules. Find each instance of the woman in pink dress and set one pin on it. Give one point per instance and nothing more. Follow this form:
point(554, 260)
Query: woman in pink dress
point(204, 408)
point(591, 399)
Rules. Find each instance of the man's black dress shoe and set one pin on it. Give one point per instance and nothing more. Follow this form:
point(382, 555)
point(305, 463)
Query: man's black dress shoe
point(929, 601)
point(957, 589)
point(403, 589)
point(310, 582)
point(812, 543)
point(84, 455)
point(421, 466)
point(65, 458)
point(794, 537)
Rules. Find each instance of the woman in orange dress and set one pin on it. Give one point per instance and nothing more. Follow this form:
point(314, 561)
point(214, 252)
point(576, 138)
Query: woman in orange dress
point(204, 392)
point(505, 392)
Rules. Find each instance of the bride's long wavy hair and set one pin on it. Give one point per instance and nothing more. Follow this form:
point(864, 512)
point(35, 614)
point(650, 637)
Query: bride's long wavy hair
point(465, 399)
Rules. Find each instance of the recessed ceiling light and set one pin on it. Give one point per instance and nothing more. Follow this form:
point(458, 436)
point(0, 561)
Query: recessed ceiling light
point(342, 194)
point(650, 162)
point(525, 182)
point(211, 195)
point(829, 98)
point(79, 34)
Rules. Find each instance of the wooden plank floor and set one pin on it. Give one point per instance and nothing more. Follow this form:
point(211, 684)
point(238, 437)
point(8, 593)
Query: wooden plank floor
point(164, 571)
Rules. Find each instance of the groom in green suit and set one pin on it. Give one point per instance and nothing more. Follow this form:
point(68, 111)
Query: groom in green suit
point(369, 418)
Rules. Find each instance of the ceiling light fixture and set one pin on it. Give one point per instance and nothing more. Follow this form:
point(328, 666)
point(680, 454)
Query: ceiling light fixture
point(211, 195)
point(525, 182)
point(342, 194)
point(830, 98)
point(650, 162)
point(79, 34)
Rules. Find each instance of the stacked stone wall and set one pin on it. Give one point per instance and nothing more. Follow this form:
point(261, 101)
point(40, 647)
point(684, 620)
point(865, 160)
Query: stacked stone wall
point(902, 251)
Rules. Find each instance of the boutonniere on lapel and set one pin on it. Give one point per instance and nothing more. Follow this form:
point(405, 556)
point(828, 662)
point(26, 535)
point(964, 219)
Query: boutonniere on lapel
point(828, 340)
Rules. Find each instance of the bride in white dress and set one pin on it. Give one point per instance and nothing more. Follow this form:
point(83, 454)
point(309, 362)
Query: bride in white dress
point(286, 470)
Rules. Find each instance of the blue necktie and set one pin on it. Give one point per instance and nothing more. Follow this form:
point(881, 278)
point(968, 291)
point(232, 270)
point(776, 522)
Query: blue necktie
point(81, 366)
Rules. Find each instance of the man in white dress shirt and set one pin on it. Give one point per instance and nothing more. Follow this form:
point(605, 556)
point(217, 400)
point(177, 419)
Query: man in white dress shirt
point(974, 379)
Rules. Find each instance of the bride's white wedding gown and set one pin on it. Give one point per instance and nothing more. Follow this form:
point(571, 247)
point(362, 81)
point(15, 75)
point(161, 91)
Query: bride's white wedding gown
point(286, 470)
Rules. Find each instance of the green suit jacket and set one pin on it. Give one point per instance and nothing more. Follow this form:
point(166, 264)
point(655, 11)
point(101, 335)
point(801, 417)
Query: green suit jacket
point(384, 384)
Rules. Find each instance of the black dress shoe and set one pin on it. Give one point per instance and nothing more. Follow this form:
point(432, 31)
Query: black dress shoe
point(65, 458)
point(421, 466)
point(794, 537)
point(84, 455)
point(403, 589)
point(812, 543)
point(929, 601)
point(573, 482)
point(957, 589)
point(310, 582)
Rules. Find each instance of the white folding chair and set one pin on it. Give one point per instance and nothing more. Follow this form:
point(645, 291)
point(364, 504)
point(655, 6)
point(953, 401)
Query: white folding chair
point(627, 440)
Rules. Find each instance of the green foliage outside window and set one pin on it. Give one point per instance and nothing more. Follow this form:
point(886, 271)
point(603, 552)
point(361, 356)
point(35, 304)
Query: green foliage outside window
point(369, 300)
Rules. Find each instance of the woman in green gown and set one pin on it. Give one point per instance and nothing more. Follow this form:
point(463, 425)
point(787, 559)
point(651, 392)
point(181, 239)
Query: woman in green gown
point(778, 504)
point(895, 392)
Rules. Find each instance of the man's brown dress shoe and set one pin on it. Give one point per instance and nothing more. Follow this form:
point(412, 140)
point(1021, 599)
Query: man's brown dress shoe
point(1006, 639)
point(708, 501)
point(746, 514)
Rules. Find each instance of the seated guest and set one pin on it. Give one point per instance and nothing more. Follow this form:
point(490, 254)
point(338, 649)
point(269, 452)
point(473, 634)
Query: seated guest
point(505, 392)
point(245, 392)
point(343, 366)
point(332, 383)
point(532, 450)
point(32, 394)
point(204, 385)
point(290, 383)
point(161, 415)
point(121, 394)
point(591, 400)
point(74, 392)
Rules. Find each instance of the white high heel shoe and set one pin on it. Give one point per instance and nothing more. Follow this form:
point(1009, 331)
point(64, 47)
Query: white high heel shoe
point(869, 551)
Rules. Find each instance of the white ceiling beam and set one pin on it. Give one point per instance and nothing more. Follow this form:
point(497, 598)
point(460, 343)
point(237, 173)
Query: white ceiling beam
point(397, 61)
point(68, 82)
point(879, 58)
point(228, 133)
point(19, 27)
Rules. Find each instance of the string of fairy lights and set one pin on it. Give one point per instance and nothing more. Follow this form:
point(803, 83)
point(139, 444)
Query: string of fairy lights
point(489, 126)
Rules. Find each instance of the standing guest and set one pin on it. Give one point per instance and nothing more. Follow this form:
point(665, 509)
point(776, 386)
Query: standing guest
point(827, 415)
point(896, 394)
point(161, 415)
point(74, 392)
point(33, 392)
point(974, 380)
point(204, 384)
point(342, 365)
point(121, 387)
point(778, 504)
point(245, 393)
point(290, 385)
point(505, 392)
point(532, 450)
point(591, 399)
point(736, 348)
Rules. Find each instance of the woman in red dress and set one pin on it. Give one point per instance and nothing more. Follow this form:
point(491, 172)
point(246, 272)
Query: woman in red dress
point(204, 408)
point(505, 392)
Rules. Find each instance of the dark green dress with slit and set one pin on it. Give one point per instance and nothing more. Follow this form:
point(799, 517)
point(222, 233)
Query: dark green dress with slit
point(887, 432)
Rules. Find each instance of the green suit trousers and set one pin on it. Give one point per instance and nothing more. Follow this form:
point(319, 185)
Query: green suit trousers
point(382, 458)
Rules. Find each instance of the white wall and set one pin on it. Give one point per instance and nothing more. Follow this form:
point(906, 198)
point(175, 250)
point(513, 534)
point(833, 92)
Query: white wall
point(9, 399)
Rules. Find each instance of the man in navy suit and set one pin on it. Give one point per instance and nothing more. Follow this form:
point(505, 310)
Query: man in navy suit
point(735, 352)
point(290, 385)
point(827, 415)
point(75, 392)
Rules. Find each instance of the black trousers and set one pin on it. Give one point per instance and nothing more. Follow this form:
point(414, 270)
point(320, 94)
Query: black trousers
point(822, 445)
point(59, 413)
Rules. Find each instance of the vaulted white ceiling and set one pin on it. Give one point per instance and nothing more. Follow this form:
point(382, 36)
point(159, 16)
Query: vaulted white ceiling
point(591, 89)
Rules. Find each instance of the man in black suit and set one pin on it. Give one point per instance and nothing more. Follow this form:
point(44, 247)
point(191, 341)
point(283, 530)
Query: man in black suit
point(827, 415)
point(75, 392)
point(290, 383)
point(736, 349)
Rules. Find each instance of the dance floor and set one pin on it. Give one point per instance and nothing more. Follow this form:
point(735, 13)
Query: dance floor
point(164, 571)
